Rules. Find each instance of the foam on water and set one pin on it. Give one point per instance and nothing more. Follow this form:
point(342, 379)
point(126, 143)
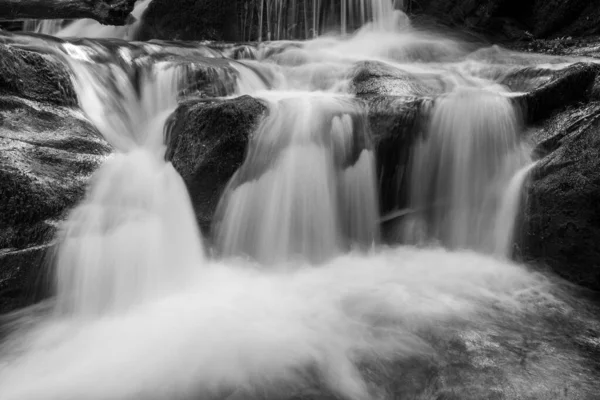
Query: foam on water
point(237, 327)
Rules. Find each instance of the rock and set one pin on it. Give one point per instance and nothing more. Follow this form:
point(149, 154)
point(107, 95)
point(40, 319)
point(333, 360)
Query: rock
point(190, 20)
point(561, 228)
point(47, 154)
point(34, 76)
point(548, 89)
point(48, 150)
point(517, 20)
point(22, 277)
point(395, 123)
point(206, 143)
point(378, 78)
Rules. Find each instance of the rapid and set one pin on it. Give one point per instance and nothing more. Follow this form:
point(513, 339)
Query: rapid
point(298, 294)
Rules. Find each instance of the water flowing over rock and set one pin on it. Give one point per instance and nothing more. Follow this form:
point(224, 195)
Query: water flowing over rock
point(357, 196)
point(48, 151)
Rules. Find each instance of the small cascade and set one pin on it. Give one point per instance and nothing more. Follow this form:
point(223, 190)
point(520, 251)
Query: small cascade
point(45, 26)
point(506, 218)
point(134, 236)
point(463, 167)
point(297, 299)
point(307, 187)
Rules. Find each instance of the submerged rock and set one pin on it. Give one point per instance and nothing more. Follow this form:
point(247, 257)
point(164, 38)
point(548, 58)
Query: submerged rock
point(207, 142)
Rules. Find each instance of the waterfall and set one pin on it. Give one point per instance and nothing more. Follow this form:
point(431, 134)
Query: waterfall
point(463, 166)
point(134, 236)
point(295, 296)
point(307, 187)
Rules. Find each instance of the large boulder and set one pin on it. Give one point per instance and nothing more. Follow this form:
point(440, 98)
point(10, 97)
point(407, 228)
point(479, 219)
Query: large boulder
point(561, 227)
point(48, 150)
point(207, 142)
point(34, 76)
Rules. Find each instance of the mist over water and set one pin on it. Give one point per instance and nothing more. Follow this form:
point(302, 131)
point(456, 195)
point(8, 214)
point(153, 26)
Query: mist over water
point(301, 293)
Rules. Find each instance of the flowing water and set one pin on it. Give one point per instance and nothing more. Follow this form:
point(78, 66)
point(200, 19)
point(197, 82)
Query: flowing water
point(301, 298)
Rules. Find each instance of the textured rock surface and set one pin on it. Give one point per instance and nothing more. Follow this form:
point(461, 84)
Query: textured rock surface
point(48, 150)
point(562, 218)
point(190, 20)
point(516, 19)
point(206, 143)
point(34, 76)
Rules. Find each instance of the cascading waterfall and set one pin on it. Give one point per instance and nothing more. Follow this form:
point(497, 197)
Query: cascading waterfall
point(305, 303)
point(307, 187)
point(462, 168)
point(134, 236)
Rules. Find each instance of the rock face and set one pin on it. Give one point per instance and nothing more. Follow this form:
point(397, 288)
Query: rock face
point(190, 20)
point(34, 76)
point(47, 152)
point(516, 19)
point(206, 143)
point(562, 219)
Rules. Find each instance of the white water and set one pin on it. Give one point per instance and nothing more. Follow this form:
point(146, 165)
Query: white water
point(304, 190)
point(462, 168)
point(508, 211)
point(143, 315)
point(237, 328)
point(134, 236)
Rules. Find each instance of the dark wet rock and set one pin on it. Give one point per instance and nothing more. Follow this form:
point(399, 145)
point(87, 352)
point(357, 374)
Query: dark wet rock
point(395, 123)
point(516, 19)
point(207, 142)
point(22, 276)
point(561, 228)
point(549, 89)
point(34, 76)
point(190, 20)
point(47, 153)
